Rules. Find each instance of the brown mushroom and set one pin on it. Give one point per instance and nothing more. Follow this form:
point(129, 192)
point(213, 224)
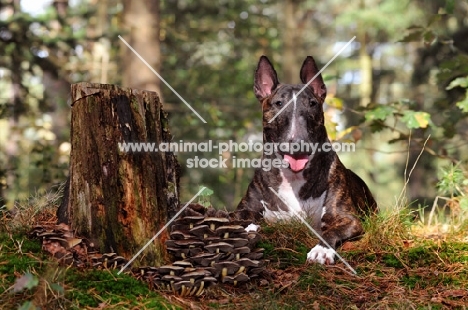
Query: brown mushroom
point(189, 243)
point(180, 226)
point(115, 262)
point(178, 252)
point(213, 222)
point(222, 213)
point(195, 251)
point(256, 254)
point(225, 230)
point(169, 280)
point(240, 251)
point(227, 256)
point(246, 263)
point(226, 268)
point(194, 275)
point(202, 231)
point(243, 235)
point(205, 259)
point(148, 271)
point(189, 220)
point(243, 223)
point(183, 287)
point(218, 247)
point(48, 234)
point(180, 235)
point(210, 240)
point(241, 277)
point(195, 209)
point(210, 212)
point(171, 270)
point(256, 271)
point(182, 263)
point(202, 283)
point(254, 238)
point(236, 242)
point(61, 241)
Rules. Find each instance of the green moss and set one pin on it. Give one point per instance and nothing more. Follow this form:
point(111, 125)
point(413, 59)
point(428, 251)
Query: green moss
point(269, 248)
point(16, 258)
point(92, 287)
point(379, 273)
point(312, 279)
point(33, 246)
point(413, 281)
point(454, 252)
point(135, 104)
point(268, 230)
point(423, 255)
point(391, 260)
point(296, 256)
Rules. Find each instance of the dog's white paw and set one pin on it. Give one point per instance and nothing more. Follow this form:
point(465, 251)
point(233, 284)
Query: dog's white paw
point(252, 227)
point(322, 255)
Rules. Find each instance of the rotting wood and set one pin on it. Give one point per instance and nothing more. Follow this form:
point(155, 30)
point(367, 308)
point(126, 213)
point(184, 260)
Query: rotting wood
point(115, 199)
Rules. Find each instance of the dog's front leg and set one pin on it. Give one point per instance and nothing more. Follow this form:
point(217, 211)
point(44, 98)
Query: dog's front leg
point(336, 228)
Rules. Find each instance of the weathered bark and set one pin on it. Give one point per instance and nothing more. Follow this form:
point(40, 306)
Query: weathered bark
point(119, 200)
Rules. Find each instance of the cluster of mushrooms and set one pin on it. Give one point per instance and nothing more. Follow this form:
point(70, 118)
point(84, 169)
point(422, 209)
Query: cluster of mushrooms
point(208, 247)
point(60, 241)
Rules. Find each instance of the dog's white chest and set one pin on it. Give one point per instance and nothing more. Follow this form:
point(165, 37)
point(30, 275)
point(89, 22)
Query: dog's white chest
point(313, 208)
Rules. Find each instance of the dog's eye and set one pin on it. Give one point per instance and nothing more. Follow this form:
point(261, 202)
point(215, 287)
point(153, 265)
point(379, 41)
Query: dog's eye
point(278, 103)
point(312, 102)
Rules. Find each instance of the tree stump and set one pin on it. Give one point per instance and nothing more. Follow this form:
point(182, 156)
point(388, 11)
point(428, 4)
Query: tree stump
point(120, 200)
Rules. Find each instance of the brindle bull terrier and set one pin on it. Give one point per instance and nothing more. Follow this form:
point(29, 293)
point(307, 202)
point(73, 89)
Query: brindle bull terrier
point(314, 184)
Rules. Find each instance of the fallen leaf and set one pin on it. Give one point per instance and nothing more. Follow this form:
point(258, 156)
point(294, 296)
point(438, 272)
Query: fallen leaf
point(26, 281)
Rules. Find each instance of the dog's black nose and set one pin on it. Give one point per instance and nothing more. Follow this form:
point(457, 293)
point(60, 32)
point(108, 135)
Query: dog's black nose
point(294, 140)
point(297, 146)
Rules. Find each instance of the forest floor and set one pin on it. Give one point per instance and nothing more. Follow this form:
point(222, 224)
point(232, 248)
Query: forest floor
point(400, 263)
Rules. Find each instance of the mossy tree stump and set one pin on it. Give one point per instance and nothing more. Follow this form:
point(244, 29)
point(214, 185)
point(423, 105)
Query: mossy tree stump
point(119, 200)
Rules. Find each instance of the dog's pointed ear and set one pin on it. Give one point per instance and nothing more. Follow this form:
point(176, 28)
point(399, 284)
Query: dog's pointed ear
point(265, 80)
point(308, 71)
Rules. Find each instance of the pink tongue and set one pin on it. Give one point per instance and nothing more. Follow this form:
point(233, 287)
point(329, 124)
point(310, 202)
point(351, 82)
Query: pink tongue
point(296, 163)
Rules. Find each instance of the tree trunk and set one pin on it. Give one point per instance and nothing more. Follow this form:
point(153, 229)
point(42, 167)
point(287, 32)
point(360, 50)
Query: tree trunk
point(141, 25)
point(365, 88)
point(120, 200)
point(292, 42)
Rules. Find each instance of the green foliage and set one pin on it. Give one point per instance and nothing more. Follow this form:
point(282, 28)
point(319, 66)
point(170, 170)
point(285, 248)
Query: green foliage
point(204, 197)
point(381, 113)
point(461, 82)
point(397, 116)
point(414, 119)
point(452, 180)
point(378, 18)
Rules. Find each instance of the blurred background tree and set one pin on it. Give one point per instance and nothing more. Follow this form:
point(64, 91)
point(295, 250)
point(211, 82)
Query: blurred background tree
point(388, 85)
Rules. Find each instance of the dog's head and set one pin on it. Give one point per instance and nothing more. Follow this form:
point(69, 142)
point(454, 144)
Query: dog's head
point(292, 113)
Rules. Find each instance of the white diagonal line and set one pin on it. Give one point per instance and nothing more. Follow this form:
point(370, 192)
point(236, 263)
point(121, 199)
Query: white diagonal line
point(161, 78)
point(315, 233)
point(161, 230)
point(315, 76)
